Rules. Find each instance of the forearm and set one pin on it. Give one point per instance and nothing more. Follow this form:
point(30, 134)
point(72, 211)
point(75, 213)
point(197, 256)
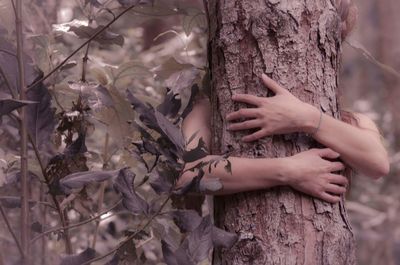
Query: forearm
point(247, 174)
point(361, 148)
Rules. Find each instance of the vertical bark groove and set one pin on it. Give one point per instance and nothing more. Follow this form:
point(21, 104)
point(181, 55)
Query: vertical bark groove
point(298, 43)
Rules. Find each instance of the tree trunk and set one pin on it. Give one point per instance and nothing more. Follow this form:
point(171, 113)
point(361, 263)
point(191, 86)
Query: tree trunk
point(298, 43)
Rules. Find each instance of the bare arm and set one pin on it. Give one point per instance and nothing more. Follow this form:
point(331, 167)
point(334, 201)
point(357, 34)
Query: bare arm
point(307, 172)
point(359, 144)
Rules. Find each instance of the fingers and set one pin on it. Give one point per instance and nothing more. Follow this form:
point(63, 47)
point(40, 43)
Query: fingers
point(246, 98)
point(274, 86)
point(328, 153)
point(255, 136)
point(337, 166)
point(243, 114)
point(335, 189)
point(250, 124)
point(338, 179)
point(329, 197)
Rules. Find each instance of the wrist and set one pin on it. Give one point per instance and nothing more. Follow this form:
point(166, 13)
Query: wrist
point(283, 176)
point(312, 118)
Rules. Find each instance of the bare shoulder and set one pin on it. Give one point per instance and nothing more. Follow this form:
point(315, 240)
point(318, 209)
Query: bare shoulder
point(365, 122)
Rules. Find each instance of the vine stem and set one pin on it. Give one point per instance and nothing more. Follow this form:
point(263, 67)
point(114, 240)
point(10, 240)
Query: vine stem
point(24, 222)
point(53, 230)
point(129, 238)
point(101, 30)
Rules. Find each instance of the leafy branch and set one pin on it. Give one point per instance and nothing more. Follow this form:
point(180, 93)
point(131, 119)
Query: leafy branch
point(100, 31)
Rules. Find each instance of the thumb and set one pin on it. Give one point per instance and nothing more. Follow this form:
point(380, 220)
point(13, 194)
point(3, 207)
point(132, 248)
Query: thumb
point(328, 153)
point(274, 86)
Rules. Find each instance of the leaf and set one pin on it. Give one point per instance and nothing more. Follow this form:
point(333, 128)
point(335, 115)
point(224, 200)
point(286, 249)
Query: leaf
point(197, 153)
point(131, 200)
point(186, 220)
point(79, 259)
point(37, 227)
point(169, 67)
point(135, 2)
point(198, 244)
point(9, 64)
point(194, 17)
point(96, 95)
point(41, 116)
point(170, 131)
point(76, 181)
point(222, 238)
point(171, 104)
point(163, 180)
point(146, 113)
point(9, 105)
point(76, 147)
point(105, 38)
point(194, 92)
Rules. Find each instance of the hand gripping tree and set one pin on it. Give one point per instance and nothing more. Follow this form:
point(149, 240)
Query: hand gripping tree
point(298, 43)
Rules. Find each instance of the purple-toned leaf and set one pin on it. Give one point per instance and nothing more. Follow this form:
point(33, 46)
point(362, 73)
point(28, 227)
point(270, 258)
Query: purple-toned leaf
point(79, 259)
point(41, 116)
point(186, 220)
point(222, 238)
point(9, 105)
point(131, 200)
point(134, 2)
point(76, 147)
point(171, 104)
point(171, 131)
point(198, 244)
point(106, 37)
point(194, 92)
point(76, 181)
point(197, 153)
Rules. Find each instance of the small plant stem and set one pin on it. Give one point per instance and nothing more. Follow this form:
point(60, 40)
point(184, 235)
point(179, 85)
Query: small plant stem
point(25, 233)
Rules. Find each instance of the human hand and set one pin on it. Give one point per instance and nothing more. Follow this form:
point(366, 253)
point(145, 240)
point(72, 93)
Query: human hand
point(311, 173)
point(280, 114)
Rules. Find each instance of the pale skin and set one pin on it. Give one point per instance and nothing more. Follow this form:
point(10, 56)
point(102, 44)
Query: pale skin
point(312, 172)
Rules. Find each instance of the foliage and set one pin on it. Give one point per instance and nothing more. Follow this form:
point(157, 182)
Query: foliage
point(110, 89)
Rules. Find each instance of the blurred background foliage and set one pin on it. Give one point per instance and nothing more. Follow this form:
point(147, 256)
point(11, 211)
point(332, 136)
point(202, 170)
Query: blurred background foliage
point(147, 50)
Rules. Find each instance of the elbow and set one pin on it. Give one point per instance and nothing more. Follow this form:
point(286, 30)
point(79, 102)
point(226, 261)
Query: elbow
point(381, 168)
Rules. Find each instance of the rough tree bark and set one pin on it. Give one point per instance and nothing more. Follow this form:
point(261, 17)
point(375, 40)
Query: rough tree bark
point(298, 43)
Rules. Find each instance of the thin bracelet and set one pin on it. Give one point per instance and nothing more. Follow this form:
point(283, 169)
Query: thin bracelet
point(319, 124)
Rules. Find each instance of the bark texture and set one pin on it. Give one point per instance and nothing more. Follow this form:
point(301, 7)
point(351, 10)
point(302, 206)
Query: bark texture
point(298, 43)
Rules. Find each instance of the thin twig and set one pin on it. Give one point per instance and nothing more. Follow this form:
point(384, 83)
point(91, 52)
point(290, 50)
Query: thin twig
point(3, 213)
point(129, 238)
point(101, 30)
point(53, 230)
point(25, 231)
